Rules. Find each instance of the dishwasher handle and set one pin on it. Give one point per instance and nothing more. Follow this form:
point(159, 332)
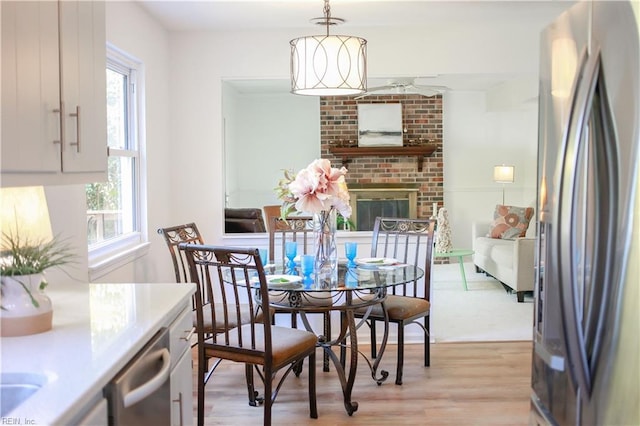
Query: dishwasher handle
point(141, 392)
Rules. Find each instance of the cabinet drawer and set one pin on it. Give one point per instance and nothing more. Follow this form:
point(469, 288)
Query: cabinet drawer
point(97, 416)
point(180, 334)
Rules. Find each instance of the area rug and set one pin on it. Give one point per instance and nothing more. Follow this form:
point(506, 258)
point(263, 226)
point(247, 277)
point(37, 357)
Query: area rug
point(486, 312)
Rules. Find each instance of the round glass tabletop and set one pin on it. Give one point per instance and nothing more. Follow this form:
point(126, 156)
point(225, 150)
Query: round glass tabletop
point(356, 278)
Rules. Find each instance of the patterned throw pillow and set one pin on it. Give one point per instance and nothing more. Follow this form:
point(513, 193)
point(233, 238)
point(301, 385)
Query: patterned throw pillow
point(510, 222)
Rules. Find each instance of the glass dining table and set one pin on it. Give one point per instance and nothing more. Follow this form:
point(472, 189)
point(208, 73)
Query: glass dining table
point(359, 289)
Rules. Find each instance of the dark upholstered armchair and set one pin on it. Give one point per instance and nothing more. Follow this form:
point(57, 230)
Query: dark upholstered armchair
point(243, 220)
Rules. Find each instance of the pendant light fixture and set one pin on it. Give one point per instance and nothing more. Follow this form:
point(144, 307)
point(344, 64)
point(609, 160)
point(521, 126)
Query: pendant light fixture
point(328, 65)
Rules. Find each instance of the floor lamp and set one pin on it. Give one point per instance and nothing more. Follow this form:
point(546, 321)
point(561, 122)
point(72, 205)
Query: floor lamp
point(503, 174)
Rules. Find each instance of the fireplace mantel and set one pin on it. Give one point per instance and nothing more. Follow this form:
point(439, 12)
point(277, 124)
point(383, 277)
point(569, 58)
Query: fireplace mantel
point(419, 151)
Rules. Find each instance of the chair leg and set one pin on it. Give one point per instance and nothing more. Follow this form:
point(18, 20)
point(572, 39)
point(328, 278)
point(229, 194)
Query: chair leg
point(297, 368)
point(268, 395)
point(313, 406)
point(372, 329)
point(254, 401)
point(202, 370)
point(400, 353)
point(427, 343)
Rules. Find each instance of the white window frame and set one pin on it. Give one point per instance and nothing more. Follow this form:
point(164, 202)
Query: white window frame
point(109, 255)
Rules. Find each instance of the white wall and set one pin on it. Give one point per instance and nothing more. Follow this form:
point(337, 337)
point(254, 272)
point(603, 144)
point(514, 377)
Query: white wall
point(476, 140)
point(266, 133)
point(184, 128)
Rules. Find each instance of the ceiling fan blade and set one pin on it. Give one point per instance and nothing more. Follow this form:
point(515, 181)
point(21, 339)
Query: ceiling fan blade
point(427, 91)
point(405, 89)
point(377, 88)
point(430, 87)
point(372, 90)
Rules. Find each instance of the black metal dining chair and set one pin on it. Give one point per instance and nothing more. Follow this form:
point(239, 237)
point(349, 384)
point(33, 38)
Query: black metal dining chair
point(408, 241)
point(227, 278)
point(188, 233)
point(299, 229)
point(174, 236)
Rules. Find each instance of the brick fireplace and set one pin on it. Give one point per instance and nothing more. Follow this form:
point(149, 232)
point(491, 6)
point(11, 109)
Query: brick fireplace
point(422, 124)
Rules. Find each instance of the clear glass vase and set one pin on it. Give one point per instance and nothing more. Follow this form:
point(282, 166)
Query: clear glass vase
point(325, 249)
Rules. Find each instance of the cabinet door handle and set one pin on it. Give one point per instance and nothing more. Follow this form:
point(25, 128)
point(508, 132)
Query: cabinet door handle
point(189, 334)
point(77, 116)
point(62, 127)
point(141, 392)
point(179, 401)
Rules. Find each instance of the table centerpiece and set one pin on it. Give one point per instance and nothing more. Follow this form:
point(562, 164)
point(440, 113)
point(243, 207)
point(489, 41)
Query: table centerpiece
point(320, 190)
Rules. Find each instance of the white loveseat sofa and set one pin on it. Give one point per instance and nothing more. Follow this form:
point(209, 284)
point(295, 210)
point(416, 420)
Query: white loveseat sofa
point(509, 261)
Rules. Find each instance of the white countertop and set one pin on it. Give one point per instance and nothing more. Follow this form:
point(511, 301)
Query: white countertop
point(97, 328)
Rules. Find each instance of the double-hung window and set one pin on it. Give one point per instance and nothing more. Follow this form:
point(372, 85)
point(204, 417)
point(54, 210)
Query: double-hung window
point(114, 220)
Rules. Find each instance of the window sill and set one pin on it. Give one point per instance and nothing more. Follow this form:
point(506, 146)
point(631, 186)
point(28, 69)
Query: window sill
point(106, 265)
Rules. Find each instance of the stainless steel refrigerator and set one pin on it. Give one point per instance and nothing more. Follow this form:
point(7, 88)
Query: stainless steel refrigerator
point(586, 355)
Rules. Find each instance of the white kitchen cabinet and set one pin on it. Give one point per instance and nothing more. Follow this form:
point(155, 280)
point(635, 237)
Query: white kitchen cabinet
point(182, 391)
point(97, 416)
point(180, 334)
point(53, 92)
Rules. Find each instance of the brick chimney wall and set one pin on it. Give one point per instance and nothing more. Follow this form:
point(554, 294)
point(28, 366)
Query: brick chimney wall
point(422, 123)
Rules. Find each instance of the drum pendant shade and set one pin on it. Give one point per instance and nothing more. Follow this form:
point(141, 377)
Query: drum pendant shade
point(328, 65)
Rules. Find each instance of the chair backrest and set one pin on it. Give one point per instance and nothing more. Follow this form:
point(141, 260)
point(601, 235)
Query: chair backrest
point(408, 241)
point(226, 279)
point(271, 212)
point(294, 228)
point(175, 235)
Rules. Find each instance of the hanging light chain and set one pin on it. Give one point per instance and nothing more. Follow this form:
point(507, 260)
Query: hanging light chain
point(327, 15)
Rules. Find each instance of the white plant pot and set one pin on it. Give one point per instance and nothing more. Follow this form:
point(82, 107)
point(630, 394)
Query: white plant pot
point(24, 312)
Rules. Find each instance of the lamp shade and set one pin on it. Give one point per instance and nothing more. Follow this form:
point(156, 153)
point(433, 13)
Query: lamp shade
point(24, 213)
point(328, 65)
point(503, 174)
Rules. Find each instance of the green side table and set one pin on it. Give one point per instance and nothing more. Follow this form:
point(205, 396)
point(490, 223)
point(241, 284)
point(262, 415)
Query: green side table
point(459, 253)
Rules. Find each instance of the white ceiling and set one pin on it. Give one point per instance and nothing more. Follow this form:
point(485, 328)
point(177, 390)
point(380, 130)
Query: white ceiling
point(264, 14)
point(241, 15)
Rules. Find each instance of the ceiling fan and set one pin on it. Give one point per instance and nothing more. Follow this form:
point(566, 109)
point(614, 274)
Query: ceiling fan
point(399, 87)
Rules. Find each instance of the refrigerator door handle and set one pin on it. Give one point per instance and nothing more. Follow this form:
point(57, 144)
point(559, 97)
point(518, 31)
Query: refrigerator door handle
point(578, 118)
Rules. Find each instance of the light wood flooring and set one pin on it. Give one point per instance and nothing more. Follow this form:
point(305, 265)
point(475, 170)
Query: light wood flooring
point(467, 384)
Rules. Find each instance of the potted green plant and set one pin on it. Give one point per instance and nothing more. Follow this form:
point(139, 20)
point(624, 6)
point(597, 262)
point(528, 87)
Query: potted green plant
point(24, 308)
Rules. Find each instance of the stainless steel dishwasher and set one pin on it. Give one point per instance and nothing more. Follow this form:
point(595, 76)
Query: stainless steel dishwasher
point(140, 393)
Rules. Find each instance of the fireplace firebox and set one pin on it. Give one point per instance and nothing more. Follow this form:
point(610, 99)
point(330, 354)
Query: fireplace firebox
point(369, 201)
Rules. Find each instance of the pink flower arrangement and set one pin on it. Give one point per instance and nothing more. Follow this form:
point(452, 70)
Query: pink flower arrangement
point(316, 188)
